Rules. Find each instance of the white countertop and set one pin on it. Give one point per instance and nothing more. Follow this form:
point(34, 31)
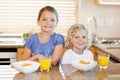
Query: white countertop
point(11, 34)
point(15, 39)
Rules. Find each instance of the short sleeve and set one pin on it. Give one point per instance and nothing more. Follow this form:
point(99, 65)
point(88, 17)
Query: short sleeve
point(59, 39)
point(28, 42)
point(88, 55)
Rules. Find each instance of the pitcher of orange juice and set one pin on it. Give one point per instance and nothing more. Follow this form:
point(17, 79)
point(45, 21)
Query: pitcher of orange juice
point(45, 63)
point(103, 60)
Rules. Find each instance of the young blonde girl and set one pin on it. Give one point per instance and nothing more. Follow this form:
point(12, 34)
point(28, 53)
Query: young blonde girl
point(76, 44)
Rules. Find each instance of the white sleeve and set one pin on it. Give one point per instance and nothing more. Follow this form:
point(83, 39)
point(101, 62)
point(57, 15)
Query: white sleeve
point(66, 58)
point(88, 55)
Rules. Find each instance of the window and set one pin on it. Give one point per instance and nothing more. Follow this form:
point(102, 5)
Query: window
point(23, 13)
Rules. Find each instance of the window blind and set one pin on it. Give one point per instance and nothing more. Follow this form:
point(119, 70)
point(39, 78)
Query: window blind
point(23, 13)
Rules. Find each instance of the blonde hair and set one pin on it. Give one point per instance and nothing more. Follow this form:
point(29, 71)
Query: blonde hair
point(71, 33)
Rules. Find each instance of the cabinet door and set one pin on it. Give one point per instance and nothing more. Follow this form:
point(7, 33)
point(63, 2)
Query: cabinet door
point(20, 51)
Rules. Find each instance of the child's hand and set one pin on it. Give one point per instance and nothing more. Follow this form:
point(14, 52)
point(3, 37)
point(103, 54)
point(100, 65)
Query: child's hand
point(39, 56)
point(35, 57)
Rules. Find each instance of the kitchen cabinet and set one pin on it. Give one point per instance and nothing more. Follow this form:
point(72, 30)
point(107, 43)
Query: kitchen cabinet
point(7, 55)
point(12, 53)
point(107, 2)
point(11, 46)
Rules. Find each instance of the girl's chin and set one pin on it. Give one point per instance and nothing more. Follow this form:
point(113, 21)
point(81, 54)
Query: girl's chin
point(80, 48)
point(47, 30)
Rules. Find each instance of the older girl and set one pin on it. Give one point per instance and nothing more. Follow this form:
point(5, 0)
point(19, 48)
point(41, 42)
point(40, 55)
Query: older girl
point(46, 42)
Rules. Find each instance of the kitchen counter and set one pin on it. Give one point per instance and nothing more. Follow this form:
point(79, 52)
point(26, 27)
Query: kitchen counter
point(11, 46)
point(112, 73)
point(11, 40)
point(114, 52)
point(62, 72)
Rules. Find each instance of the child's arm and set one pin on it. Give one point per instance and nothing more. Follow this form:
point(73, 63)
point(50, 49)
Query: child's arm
point(27, 55)
point(57, 54)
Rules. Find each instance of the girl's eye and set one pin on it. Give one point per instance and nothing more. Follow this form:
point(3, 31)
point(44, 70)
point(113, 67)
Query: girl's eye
point(84, 37)
point(53, 20)
point(76, 37)
point(50, 20)
point(44, 19)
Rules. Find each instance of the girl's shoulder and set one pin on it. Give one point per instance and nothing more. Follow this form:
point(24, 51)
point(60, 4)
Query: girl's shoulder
point(57, 38)
point(32, 37)
point(68, 51)
point(57, 35)
point(87, 51)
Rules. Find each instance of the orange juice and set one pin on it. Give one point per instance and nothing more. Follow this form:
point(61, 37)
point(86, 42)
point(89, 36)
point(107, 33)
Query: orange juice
point(45, 64)
point(103, 61)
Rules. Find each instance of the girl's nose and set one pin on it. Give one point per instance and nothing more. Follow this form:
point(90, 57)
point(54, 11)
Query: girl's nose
point(48, 22)
point(80, 39)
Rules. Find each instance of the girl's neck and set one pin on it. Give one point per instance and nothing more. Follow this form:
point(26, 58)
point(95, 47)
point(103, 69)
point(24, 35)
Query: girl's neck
point(78, 51)
point(44, 34)
point(44, 37)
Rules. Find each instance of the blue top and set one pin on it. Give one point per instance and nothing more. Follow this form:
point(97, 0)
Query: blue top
point(46, 48)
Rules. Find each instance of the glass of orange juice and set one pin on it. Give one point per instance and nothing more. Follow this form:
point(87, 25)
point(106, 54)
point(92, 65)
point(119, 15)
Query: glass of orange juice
point(45, 63)
point(103, 60)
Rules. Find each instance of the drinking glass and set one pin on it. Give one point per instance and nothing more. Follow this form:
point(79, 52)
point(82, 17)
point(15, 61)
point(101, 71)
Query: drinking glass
point(103, 60)
point(45, 63)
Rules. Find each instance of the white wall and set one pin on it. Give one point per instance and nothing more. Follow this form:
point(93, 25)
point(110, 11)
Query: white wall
point(107, 16)
point(108, 20)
